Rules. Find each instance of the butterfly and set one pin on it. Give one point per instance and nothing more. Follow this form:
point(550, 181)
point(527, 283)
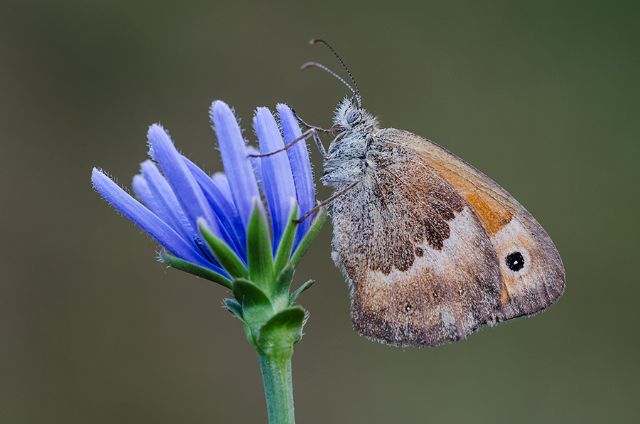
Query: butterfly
point(432, 249)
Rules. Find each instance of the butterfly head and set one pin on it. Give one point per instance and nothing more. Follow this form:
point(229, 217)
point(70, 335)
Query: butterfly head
point(350, 116)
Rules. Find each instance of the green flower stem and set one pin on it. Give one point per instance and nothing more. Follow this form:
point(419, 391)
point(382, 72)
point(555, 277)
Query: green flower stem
point(278, 390)
point(263, 301)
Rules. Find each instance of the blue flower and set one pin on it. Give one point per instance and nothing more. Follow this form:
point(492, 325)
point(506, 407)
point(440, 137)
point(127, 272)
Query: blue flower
point(203, 221)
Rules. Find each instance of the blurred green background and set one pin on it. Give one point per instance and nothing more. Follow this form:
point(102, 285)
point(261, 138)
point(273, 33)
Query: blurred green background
point(542, 96)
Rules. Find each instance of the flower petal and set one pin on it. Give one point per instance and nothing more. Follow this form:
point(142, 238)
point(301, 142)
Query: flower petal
point(145, 219)
point(171, 212)
point(190, 196)
point(143, 193)
point(237, 166)
point(221, 181)
point(277, 179)
point(255, 164)
point(300, 166)
point(233, 230)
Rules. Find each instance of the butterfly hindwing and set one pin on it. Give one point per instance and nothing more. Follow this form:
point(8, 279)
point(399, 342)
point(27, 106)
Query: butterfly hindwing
point(530, 265)
point(433, 249)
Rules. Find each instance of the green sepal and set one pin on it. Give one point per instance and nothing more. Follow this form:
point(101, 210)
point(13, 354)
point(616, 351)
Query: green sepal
point(282, 286)
point(311, 235)
point(284, 280)
point(278, 335)
point(259, 255)
point(256, 306)
point(286, 242)
point(304, 286)
point(222, 252)
point(194, 269)
point(233, 307)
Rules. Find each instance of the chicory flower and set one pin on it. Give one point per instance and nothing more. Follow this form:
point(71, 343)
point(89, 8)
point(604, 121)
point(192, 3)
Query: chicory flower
point(218, 227)
point(203, 221)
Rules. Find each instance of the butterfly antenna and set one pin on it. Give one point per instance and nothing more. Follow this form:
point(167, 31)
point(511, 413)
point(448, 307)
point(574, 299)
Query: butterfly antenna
point(356, 91)
point(330, 72)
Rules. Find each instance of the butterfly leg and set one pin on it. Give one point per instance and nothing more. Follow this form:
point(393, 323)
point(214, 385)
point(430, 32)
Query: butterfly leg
point(311, 132)
point(309, 126)
point(318, 143)
point(326, 201)
point(316, 130)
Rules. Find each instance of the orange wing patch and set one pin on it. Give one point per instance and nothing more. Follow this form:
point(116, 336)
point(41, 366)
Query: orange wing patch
point(491, 213)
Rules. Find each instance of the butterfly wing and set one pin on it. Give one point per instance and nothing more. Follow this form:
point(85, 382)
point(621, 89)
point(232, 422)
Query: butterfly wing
point(530, 265)
point(421, 268)
point(432, 248)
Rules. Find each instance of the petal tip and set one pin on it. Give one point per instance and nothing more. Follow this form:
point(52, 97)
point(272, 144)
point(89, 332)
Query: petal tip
point(283, 108)
point(155, 131)
point(262, 111)
point(97, 176)
point(218, 107)
point(158, 138)
point(138, 179)
point(145, 165)
point(262, 118)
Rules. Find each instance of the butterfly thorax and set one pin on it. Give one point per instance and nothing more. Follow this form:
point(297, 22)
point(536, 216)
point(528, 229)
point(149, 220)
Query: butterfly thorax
point(347, 159)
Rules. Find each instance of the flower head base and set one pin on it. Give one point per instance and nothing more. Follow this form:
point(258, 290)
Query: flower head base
point(217, 226)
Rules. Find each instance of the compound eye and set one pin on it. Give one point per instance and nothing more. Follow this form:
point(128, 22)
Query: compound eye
point(353, 116)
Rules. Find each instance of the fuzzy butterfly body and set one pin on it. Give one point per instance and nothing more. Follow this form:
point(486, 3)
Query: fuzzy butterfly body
point(431, 248)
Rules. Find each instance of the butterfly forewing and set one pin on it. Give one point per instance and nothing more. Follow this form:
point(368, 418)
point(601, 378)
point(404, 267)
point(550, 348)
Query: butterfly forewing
point(422, 269)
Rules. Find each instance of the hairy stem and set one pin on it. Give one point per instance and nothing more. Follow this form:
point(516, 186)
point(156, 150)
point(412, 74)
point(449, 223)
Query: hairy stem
point(278, 390)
